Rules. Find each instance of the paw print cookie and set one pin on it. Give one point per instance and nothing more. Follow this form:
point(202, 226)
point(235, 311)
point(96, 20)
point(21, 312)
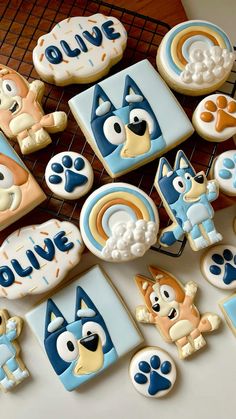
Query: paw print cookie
point(219, 266)
point(152, 372)
point(69, 175)
point(224, 171)
point(215, 118)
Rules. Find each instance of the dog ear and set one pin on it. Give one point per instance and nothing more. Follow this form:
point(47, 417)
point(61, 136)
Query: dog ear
point(54, 319)
point(132, 92)
point(19, 173)
point(101, 103)
point(143, 283)
point(156, 273)
point(182, 162)
point(84, 307)
point(164, 168)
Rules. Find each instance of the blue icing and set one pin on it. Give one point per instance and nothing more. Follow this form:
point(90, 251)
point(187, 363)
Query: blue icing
point(218, 259)
point(187, 44)
point(55, 179)
point(225, 174)
point(225, 265)
point(72, 179)
point(230, 309)
point(57, 167)
point(157, 380)
point(6, 149)
point(229, 170)
point(228, 163)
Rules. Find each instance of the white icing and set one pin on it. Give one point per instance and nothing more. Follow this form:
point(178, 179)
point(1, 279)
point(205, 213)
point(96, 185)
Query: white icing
point(180, 329)
point(146, 354)
point(103, 108)
point(86, 312)
point(207, 261)
point(145, 285)
point(197, 213)
point(87, 66)
point(227, 186)
point(55, 324)
point(133, 98)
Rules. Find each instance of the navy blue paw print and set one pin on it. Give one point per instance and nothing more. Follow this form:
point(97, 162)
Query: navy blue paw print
point(224, 265)
point(71, 169)
point(157, 382)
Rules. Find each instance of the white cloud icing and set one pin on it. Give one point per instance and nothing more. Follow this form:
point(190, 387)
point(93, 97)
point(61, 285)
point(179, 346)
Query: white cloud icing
point(207, 65)
point(130, 240)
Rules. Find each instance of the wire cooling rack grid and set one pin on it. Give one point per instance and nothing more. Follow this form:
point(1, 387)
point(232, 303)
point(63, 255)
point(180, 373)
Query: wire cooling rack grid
point(22, 23)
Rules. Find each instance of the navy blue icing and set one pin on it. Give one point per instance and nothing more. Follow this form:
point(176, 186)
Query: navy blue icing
point(67, 161)
point(33, 260)
point(79, 163)
point(95, 38)
point(49, 252)
point(225, 264)
point(53, 54)
point(157, 382)
point(81, 43)
point(110, 31)
point(67, 49)
point(55, 179)
point(7, 277)
point(61, 242)
point(144, 366)
point(218, 259)
point(72, 179)
point(57, 167)
point(22, 272)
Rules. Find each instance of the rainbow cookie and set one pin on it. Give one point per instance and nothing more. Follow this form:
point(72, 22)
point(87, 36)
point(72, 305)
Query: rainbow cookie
point(195, 57)
point(84, 328)
point(34, 259)
point(12, 368)
point(19, 191)
point(119, 222)
point(80, 49)
point(214, 118)
point(21, 114)
point(126, 118)
point(224, 171)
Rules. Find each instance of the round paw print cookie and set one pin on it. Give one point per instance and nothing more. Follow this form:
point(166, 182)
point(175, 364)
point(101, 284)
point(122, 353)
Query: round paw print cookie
point(69, 175)
point(119, 222)
point(152, 372)
point(195, 57)
point(224, 171)
point(219, 266)
point(214, 118)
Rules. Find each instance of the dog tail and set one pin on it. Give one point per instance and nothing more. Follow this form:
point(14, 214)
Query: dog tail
point(209, 322)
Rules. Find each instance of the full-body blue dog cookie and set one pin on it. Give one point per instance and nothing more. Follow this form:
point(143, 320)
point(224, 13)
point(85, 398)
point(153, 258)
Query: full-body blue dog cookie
point(186, 197)
point(12, 369)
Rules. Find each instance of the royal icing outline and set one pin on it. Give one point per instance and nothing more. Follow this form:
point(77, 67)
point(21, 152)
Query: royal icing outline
point(152, 372)
point(69, 175)
point(21, 114)
point(34, 259)
point(84, 328)
point(224, 171)
point(219, 266)
point(186, 196)
point(125, 118)
point(80, 49)
point(169, 306)
point(12, 368)
point(119, 222)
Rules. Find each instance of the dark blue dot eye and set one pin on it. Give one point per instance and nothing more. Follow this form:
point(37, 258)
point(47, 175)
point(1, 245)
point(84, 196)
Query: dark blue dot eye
point(57, 167)
point(215, 270)
point(79, 163)
point(166, 367)
point(144, 366)
point(218, 259)
point(67, 161)
point(155, 361)
point(55, 179)
point(228, 255)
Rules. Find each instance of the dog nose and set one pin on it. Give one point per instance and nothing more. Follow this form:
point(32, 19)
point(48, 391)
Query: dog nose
point(90, 342)
point(199, 178)
point(138, 128)
point(156, 307)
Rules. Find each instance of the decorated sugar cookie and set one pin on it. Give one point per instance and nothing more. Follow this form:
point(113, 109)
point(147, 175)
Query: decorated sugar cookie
point(195, 57)
point(21, 115)
point(219, 266)
point(215, 118)
point(12, 368)
point(169, 306)
point(228, 308)
point(80, 49)
point(126, 118)
point(224, 171)
point(119, 222)
point(84, 328)
point(186, 196)
point(19, 191)
point(69, 175)
point(36, 258)
point(152, 372)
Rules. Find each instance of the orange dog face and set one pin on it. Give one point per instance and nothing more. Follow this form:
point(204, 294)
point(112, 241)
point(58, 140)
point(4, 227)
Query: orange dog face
point(163, 295)
point(13, 89)
point(12, 177)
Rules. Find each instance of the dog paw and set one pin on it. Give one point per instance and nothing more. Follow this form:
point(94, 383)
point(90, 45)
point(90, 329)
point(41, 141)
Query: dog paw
point(154, 372)
point(191, 288)
point(222, 111)
point(224, 266)
point(199, 342)
point(186, 350)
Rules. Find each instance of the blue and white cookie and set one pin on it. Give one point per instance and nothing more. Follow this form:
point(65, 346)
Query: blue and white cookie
point(219, 266)
point(224, 171)
point(69, 175)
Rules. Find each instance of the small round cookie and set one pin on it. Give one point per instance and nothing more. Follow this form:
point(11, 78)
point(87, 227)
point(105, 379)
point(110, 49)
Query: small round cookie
point(119, 222)
point(224, 171)
point(214, 118)
point(152, 372)
point(195, 57)
point(219, 266)
point(69, 175)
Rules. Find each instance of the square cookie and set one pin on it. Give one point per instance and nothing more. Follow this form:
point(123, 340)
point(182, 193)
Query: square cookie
point(228, 308)
point(19, 191)
point(84, 328)
point(126, 118)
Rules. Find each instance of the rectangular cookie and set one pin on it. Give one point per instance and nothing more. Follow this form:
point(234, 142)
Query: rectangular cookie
point(228, 308)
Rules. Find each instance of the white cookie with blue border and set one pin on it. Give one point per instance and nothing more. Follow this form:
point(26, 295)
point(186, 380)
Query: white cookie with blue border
point(224, 171)
point(219, 266)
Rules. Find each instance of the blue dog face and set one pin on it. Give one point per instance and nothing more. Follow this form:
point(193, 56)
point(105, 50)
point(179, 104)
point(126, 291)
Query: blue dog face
point(131, 127)
point(80, 348)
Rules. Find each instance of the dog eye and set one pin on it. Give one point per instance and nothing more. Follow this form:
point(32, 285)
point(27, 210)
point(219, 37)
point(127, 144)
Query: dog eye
point(67, 347)
point(179, 184)
point(187, 176)
point(9, 87)
point(167, 293)
point(6, 177)
point(153, 298)
point(92, 328)
point(114, 130)
point(138, 115)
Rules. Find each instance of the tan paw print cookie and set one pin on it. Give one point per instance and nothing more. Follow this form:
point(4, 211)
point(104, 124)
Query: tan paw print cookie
point(215, 118)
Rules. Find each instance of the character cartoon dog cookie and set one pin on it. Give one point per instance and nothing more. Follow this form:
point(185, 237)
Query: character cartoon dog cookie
point(19, 191)
point(84, 328)
point(186, 196)
point(170, 307)
point(12, 369)
point(21, 114)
